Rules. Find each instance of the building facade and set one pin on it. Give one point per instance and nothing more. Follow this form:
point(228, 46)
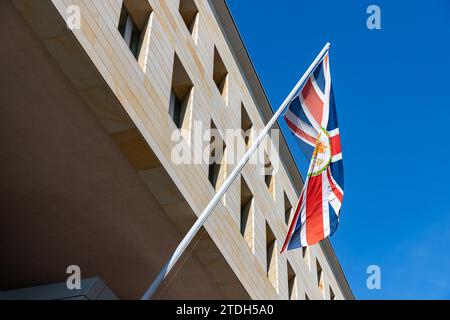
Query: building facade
point(95, 97)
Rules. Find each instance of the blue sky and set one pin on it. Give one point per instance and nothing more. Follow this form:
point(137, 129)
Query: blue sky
point(391, 88)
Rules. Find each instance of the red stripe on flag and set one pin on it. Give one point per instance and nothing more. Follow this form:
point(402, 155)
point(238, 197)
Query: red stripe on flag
point(335, 190)
point(314, 210)
point(299, 132)
point(312, 101)
point(335, 142)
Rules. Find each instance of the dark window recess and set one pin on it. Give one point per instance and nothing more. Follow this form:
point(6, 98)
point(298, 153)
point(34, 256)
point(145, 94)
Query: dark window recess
point(213, 173)
point(176, 109)
point(270, 248)
point(319, 276)
point(332, 295)
point(246, 211)
point(269, 178)
point(287, 208)
point(246, 126)
point(271, 258)
point(292, 282)
point(123, 21)
point(189, 13)
point(216, 170)
point(135, 41)
point(180, 95)
point(132, 24)
point(220, 74)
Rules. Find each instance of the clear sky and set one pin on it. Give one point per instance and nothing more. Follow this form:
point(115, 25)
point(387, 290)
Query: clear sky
point(392, 95)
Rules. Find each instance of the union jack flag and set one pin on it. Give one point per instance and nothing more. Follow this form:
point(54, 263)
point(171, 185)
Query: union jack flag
point(311, 117)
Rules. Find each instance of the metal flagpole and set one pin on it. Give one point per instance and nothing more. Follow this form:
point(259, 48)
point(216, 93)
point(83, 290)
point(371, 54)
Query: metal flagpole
point(215, 200)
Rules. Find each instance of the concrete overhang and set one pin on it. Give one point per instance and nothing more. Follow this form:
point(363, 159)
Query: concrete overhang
point(80, 186)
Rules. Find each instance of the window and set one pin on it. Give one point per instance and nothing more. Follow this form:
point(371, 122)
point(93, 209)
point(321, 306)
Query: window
point(268, 177)
point(129, 31)
point(246, 126)
point(247, 214)
point(217, 167)
point(133, 23)
point(272, 263)
point(287, 208)
point(181, 96)
point(175, 109)
point(320, 277)
point(220, 75)
point(332, 295)
point(305, 255)
point(189, 13)
point(292, 282)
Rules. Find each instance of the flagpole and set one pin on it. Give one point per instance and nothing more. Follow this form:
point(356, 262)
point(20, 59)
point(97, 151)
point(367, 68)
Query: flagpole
point(215, 200)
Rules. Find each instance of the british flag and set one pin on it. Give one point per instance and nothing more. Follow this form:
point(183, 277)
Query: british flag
point(311, 117)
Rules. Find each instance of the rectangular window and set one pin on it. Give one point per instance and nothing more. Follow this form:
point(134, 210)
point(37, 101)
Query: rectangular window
point(175, 108)
point(272, 257)
point(189, 13)
point(181, 96)
point(292, 282)
point(247, 214)
point(217, 166)
point(287, 209)
point(268, 177)
point(220, 75)
point(332, 295)
point(320, 277)
point(246, 126)
point(132, 24)
point(305, 255)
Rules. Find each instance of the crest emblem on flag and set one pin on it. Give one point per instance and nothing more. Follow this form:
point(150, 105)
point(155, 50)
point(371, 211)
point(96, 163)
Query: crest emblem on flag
point(312, 119)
